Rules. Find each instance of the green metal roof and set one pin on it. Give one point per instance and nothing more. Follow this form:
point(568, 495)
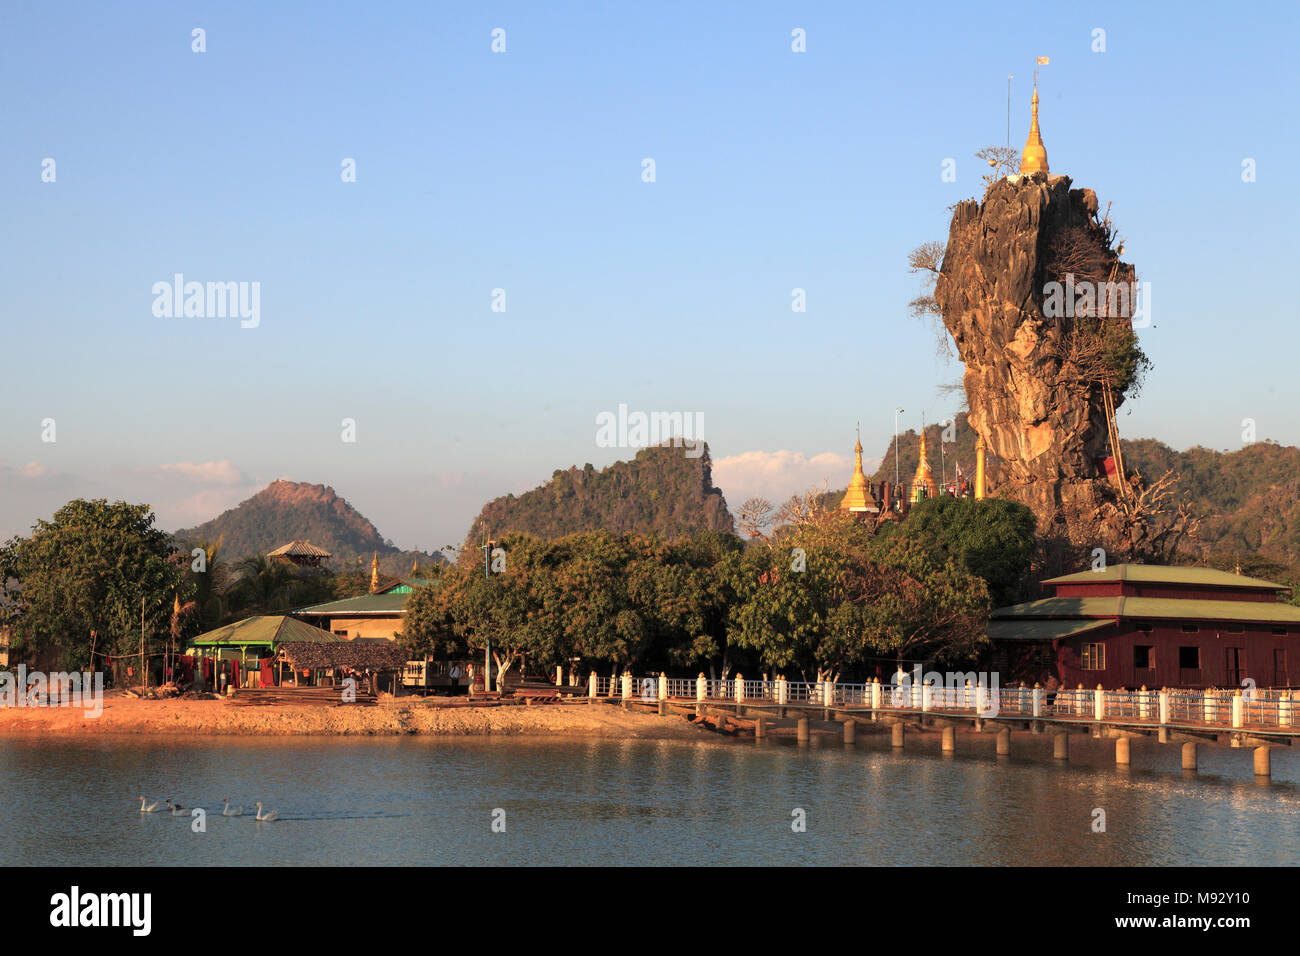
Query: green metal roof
point(266, 630)
point(1163, 574)
point(389, 603)
point(1041, 629)
point(1268, 612)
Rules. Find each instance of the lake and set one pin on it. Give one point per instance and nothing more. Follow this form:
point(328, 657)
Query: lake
point(425, 800)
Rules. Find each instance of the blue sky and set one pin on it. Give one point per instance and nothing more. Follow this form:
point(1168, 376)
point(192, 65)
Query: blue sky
point(522, 171)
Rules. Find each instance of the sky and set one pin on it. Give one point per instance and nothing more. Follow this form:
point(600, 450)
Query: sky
point(518, 177)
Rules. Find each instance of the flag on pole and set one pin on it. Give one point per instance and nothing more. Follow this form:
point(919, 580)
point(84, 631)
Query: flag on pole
point(1043, 60)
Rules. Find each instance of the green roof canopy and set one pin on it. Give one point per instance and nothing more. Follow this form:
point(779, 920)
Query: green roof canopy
point(1041, 629)
point(1236, 612)
point(265, 630)
point(1163, 574)
point(390, 603)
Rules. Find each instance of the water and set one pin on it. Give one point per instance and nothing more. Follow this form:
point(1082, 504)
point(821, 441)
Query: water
point(411, 800)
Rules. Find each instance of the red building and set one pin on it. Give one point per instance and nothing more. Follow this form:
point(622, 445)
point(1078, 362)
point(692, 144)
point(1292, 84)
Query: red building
point(1134, 625)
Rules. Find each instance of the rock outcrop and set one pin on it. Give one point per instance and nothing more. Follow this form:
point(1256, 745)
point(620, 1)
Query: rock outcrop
point(1031, 379)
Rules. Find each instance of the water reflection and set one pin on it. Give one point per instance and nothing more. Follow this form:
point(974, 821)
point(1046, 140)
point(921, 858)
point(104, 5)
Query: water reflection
point(420, 801)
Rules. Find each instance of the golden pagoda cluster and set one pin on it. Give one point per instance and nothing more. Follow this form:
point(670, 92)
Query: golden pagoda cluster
point(859, 499)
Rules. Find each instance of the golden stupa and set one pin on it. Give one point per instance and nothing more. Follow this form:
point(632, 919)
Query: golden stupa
point(1034, 157)
point(858, 497)
point(374, 573)
point(924, 477)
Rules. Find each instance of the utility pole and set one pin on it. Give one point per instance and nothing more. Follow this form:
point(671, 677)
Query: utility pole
point(1010, 77)
point(896, 412)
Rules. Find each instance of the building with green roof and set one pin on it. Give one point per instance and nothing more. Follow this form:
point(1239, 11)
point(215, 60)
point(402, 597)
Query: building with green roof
point(247, 646)
point(1133, 625)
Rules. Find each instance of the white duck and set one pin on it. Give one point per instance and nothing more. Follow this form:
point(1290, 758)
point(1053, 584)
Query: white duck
point(148, 808)
point(228, 811)
point(176, 809)
point(267, 817)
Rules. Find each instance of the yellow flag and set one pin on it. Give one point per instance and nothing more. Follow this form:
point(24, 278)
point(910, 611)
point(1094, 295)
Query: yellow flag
point(1042, 60)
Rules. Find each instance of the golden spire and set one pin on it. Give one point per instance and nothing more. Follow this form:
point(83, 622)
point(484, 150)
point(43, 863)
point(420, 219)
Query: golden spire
point(415, 567)
point(374, 573)
point(924, 477)
point(858, 497)
point(1034, 157)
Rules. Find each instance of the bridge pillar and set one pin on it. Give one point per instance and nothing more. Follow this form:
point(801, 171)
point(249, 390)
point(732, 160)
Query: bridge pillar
point(1061, 747)
point(1262, 762)
point(948, 740)
point(850, 732)
point(896, 736)
point(1004, 742)
point(1122, 751)
point(801, 729)
point(1162, 735)
point(760, 727)
point(1189, 755)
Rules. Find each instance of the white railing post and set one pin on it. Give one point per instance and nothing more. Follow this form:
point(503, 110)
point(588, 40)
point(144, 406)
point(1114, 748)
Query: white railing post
point(782, 690)
point(739, 688)
point(1284, 710)
point(591, 685)
point(1038, 701)
point(1164, 705)
point(1099, 703)
point(663, 686)
point(1238, 710)
point(917, 690)
point(876, 694)
point(701, 687)
point(627, 685)
point(828, 693)
point(1144, 705)
point(1208, 708)
point(927, 696)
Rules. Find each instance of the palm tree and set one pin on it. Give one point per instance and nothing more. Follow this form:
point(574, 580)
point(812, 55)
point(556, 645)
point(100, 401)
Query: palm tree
point(211, 585)
point(263, 586)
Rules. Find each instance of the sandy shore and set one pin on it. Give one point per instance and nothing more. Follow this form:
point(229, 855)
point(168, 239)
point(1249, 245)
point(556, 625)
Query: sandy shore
point(125, 715)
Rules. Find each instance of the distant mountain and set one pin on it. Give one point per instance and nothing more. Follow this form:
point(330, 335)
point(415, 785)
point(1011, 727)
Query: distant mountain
point(660, 490)
point(286, 511)
point(1248, 500)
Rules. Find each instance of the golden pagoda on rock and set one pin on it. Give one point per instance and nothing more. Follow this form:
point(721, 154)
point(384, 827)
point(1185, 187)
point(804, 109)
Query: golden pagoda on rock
point(1034, 157)
point(924, 477)
point(858, 498)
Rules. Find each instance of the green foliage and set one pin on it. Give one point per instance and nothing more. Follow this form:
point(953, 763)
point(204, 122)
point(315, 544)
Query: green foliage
point(92, 568)
point(661, 491)
point(991, 538)
point(287, 511)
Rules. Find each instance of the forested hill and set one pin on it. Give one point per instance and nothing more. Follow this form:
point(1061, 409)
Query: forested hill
point(287, 511)
point(1248, 500)
point(660, 491)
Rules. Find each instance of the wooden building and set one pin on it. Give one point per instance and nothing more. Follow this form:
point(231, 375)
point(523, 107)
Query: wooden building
point(1134, 625)
point(370, 616)
point(302, 553)
point(243, 652)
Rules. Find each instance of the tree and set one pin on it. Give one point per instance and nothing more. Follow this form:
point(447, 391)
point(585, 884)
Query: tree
point(755, 514)
point(1002, 161)
point(991, 538)
point(92, 568)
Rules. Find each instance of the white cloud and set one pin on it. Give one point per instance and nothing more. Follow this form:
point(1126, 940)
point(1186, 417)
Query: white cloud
point(206, 472)
point(776, 475)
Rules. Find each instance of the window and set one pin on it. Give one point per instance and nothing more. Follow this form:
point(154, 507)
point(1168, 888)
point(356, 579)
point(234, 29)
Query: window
point(1236, 666)
point(1189, 658)
point(1094, 657)
point(1190, 628)
point(1279, 632)
point(1143, 658)
point(1144, 628)
point(341, 633)
point(1236, 629)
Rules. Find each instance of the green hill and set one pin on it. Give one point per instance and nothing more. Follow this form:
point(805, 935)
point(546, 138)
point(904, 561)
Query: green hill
point(659, 491)
point(286, 511)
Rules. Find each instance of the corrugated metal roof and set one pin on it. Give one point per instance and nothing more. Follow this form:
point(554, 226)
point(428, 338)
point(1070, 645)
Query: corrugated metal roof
point(299, 549)
point(268, 630)
point(1040, 629)
point(1164, 574)
point(389, 603)
point(1265, 612)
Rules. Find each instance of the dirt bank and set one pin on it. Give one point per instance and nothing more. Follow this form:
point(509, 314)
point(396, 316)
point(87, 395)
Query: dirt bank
point(124, 715)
